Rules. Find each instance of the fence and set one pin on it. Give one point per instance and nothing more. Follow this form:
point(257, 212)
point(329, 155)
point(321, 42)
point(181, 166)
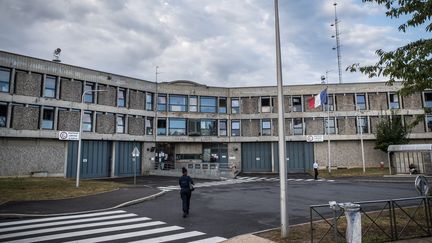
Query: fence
point(382, 220)
point(196, 170)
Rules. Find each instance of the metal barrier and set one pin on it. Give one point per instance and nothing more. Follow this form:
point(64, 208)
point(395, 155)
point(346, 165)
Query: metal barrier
point(395, 219)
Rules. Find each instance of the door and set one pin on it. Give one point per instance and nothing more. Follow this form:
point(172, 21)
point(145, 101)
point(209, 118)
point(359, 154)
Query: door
point(256, 157)
point(95, 159)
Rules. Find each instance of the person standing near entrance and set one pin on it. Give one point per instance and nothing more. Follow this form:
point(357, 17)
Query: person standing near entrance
point(315, 167)
point(186, 189)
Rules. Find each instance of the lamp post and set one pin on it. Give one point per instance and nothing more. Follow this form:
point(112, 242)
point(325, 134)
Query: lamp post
point(79, 135)
point(360, 127)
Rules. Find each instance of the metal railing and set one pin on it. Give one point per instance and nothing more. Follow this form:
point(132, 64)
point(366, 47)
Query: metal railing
point(382, 220)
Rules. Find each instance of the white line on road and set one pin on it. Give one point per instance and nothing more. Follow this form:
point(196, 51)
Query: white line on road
point(172, 237)
point(210, 240)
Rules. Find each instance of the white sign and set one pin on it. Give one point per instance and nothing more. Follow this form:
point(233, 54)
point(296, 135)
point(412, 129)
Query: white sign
point(135, 152)
point(65, 135)
point(314, 138)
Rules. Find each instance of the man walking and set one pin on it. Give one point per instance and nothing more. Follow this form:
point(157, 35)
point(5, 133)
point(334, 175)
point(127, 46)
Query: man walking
point(185, 183)
point(315, 167)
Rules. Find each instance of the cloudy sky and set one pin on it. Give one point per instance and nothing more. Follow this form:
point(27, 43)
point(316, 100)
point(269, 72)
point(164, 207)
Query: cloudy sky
point(214, 42)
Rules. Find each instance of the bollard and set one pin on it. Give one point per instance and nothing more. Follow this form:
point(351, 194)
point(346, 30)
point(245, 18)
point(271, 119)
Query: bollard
point(353, 217)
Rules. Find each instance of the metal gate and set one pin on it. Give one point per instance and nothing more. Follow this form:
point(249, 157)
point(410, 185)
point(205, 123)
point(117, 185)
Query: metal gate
point(256, 157)
point(300, 154)
point(124, 166)
point(95, 159)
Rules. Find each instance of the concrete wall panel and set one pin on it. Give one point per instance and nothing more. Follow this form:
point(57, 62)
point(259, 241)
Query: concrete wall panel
point(28, 84)
point(314, 126)
point(109, 97)
point(25, 118)
point(136, 126)
point(419, 128)
point(136, 100)
point(249, 105)
point(68, 120)
point(105, 123)
point(346, 126)
point(345, 102)
point(71, 90)
point(378, 101)
point(413, 101)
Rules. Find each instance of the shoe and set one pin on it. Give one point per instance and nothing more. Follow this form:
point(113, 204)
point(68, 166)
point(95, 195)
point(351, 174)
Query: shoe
point(184, 215)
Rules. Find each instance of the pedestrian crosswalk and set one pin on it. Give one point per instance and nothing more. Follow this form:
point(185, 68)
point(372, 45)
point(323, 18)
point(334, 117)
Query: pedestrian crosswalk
point(118, 226)
point(239, 179)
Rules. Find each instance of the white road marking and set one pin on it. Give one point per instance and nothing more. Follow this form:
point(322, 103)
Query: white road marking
point(210, 240)
point(172, 237)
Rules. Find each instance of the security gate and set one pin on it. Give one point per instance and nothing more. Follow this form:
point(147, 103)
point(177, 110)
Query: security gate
point(300, 154)
point(124, 165)
point(95, 159)
point(256, 157)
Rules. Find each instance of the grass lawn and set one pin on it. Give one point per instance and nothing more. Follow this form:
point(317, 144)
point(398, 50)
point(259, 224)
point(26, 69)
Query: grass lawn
point(22, 189)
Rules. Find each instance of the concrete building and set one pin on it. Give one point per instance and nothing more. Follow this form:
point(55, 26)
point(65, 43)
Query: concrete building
point(181, 123)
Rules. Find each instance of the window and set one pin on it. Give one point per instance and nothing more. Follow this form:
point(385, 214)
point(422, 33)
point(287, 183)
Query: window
point(194, 127)
point(161, 126)
point(149, 125)
point(50, 87)
point(265, 104)
point(394, 101)
point(297, 126)
point(87, 122)
point(428, 99)
point(235, 106)
point(4, 79)
point(208, 128)
point(235, 128)
point(121, 97)
point(329, 106)
point(208, 104)
point(177, 103)
point(120, 124)
point(329, 126)
point(162, 102)
point(362, 125)
point(222, 105)
point(149, 101)
point(177, 126)
point(3, 114)
point(193, 104)
point(296, 104)
point(361, 101)
point(223, 128)
point(266, 127)
point(429, 123)
point(48, 118)
point(89, 96)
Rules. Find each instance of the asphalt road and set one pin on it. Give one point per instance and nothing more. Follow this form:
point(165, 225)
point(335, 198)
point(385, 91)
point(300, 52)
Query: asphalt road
point(230, 210)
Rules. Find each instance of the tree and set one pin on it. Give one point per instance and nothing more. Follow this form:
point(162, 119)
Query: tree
point(390, 131)
point(411, 63)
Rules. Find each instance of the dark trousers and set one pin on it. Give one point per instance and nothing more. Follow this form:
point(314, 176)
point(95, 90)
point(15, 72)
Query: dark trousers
point(316, 173)
point(185, 196)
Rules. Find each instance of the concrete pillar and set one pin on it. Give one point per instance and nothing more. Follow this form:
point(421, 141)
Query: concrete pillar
point(12, 81)
point(9, 115)
point(353, 217)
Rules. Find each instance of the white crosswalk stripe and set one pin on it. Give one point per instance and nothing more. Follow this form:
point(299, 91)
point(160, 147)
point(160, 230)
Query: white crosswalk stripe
point(98, 227)
point(239, 179)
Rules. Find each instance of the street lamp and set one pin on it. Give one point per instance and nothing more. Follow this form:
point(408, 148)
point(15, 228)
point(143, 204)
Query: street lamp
point(361, 138)
point(79, 134)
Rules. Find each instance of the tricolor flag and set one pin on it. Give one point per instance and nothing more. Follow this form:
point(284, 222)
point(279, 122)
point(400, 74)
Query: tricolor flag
point(319, 99)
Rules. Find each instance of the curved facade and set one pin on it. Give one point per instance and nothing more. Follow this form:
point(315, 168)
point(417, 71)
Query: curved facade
point(183, 123)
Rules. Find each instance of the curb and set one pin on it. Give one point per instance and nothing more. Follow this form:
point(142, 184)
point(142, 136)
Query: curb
point(125, 204)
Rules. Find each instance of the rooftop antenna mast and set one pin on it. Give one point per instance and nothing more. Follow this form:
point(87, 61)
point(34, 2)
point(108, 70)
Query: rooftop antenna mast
point(337, 48)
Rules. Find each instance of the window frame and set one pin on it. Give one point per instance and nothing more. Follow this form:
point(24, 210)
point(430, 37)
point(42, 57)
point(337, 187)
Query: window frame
point(427, 103)
point(294, 128)
point(208, 108)
point(223, 131)
point(149, 125)
point(121, 124)
point(85, 123)
point(392, 103)
point(332, 128)
point(5, 84)
point(149, 101)
point(235, 109)
point(222, 108)
point(52, 80)
point(162, 131)
point(177, 103)
point(208, 131)
point(266, 131)
point(364, 124)
point(89, 96)
point(235, 132)
point(47, 124)
point(193, 103)
point(172, 130)
point(162, 106)
point(297, 107)
point(3, 119)
point(121, 97)
point(361, 105)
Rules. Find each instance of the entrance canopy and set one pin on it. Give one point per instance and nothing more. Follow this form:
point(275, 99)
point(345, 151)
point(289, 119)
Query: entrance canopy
point(403, 157)
point(410, 148)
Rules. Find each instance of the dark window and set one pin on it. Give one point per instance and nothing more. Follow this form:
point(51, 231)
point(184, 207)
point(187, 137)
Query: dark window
point(235, 106)
point(223, 128)
point(121, 98)
point(50, 87)
point(89, 95)
point(222, 105)
point(161, 126)
point(296, 104)
point(361, 102)
point(329, 106)
point(149, 101)
point(194, 127)
point(177, 126)
point(120, 124)
point(87, 122)
point(265, 104)
point(429, 123)
point(3, 114)
point(4, 79)
point(297, 126)
point(362, 125)
point(329, 126)
point(177, 103)
point(208, 128)
point(48, 118)
point(235, 128)
point(428, 99)
point(266, 127)
point(149, 125)
point(394, 101)
point(162, 102)
point(208, 104)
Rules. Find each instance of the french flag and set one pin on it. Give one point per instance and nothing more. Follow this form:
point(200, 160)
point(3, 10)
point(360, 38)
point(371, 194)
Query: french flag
point(319, 99)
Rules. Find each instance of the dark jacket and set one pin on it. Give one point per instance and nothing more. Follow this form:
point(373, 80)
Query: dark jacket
point(184, 182)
